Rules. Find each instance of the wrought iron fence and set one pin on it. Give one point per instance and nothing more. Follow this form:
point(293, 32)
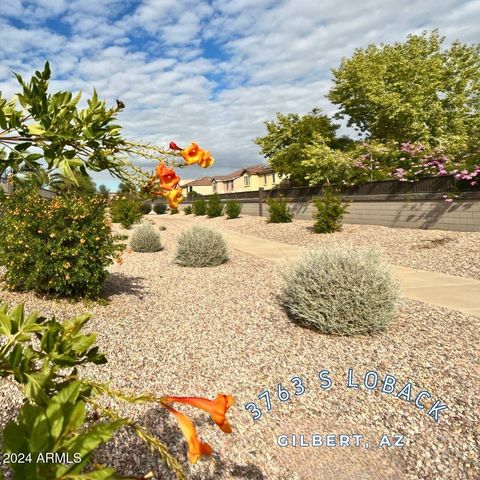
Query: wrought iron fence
point(427, 185)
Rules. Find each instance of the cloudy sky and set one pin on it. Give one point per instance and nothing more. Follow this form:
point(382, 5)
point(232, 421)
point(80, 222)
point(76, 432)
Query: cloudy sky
point(209, 71)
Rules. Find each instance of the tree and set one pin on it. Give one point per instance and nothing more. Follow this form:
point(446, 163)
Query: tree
point(125, 189)
point(284, 144)
point(414, 91)
point(36, 125)
point(324, 165)
point(83, 185)
point(103, 191)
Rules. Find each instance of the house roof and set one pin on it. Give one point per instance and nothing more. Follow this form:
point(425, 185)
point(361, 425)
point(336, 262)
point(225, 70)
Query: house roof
point(201, 182)
point(259, 169)
point(254, 169)
point(230, 176)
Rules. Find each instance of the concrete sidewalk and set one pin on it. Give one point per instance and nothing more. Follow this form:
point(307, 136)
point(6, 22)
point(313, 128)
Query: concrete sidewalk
point(457, 293)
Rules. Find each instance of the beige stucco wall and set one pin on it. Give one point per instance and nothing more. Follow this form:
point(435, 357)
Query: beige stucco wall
point(203, 190)
point(256, 181)
point(461, 215)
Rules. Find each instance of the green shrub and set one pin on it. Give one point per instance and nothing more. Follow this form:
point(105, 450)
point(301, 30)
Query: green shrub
point(125, 211)
point(159, 208)
point(173, 211)
point(60, 247)
point(278, 211)
point(200, 207)
point(145, 239)
point(187, 210)
point(341, 291)
point(145, 208)
point(214, 206)
point(330, 211)
point(233, 209)
point(201, 247)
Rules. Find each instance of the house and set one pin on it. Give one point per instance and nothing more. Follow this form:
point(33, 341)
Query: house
point(246, 179)
point(203, 186)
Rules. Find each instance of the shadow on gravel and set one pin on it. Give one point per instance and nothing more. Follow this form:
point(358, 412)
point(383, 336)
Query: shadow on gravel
point(248, 471)
point(119, 283)
point(130, 456)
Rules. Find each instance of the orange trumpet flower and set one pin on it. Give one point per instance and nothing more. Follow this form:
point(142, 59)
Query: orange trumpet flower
point(196, 448)
point(168, 179)
point(192, 154)
point(206, 160)
point(174, 197)
point(216, 408)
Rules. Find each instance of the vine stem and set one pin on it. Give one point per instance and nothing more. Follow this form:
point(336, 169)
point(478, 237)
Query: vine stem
point(154, 443)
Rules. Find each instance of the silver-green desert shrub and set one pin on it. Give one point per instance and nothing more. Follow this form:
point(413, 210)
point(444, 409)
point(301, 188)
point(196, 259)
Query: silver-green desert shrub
point(201, 247)
point(145, 239)
point(341, 291)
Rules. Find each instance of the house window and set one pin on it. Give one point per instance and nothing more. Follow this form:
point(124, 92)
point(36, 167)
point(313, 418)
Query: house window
point(264, 179)
point(273, 178)
point(246, 180)
point(214, 185)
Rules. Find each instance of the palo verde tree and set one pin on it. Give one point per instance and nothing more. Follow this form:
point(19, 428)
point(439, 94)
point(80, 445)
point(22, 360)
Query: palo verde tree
point(286, 140)
point(416, 91)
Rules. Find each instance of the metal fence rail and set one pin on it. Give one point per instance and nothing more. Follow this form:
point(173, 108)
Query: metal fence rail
point(423, 187)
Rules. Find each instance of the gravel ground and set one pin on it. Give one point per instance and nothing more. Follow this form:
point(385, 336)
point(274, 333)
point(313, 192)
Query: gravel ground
point(455, 253)
point(181, 331)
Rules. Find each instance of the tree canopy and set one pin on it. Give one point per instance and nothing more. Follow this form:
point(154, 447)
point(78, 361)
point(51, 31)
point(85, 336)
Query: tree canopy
point(413, 91)
point(286, 140)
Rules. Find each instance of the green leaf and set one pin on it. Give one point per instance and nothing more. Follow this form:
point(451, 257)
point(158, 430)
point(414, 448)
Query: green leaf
point(76, 162)
point(35, 129)
point(102, 474)
point(34, 391)
point(61, 407)
point(5, 324)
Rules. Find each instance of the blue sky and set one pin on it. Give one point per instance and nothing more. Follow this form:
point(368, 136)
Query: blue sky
point(209, 71)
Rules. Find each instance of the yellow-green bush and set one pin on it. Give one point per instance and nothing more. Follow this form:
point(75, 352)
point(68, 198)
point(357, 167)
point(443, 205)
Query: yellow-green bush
point(59, 246)
point(126, 211)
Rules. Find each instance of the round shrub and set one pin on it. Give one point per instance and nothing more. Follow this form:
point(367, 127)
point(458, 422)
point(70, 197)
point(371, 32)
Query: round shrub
point(201, 247)
point(341, 291)
point(173, 211)
point(60, 246)
point(199, 207)
point(278, 211)
point(214, 206)
point(187, 210)
point(126, 211)
point(329, 214)
point(233, 209)
point(146, 208)
point(159, 208)
point(145, 239)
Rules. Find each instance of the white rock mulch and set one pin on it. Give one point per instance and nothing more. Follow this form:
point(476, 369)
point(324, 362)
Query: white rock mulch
point(446, 251)
point(182, 331)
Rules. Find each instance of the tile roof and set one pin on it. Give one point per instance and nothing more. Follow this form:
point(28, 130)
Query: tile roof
point(254, 169)
point(259, 169)
point(201, 182)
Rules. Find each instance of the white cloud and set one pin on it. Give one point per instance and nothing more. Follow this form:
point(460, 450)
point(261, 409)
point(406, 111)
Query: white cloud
point(212, 72)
